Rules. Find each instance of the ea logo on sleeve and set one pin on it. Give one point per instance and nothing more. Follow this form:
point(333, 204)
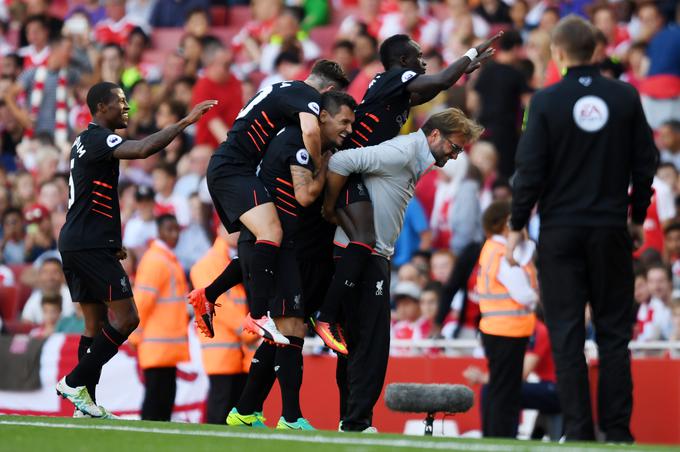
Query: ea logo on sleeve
point(314, 107)
point(113, 140)
point(590, 113)
point(302, 156)
point(406, 76)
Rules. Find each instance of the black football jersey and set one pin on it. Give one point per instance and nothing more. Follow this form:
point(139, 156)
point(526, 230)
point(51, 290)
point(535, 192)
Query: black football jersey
point(93, 217)
point(275, 107)
point(384, 109)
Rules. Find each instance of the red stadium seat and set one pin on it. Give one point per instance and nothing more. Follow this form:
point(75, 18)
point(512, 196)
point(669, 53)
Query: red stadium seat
point(324, 37)
point(239, 15)
point(166, 39)
point(23, 291)
point(218, 16)
point(225, 34)
point(19, 327)
point(8, 303)
point(58, 8)
point(439, 11)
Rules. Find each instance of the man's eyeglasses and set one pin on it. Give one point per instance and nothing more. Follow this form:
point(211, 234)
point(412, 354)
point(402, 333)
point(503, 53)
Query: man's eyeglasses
point(454, 147)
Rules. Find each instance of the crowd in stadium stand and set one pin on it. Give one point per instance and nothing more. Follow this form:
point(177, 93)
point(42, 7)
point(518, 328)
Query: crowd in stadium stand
point(170, 55)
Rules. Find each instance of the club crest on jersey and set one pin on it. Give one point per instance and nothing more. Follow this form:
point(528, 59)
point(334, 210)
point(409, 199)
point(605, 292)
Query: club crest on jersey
point(314, 107)
point(590, 113)
point(113, 140)
point(123, 284)
point(406, 76)
point(302, 156)
point(379, 287)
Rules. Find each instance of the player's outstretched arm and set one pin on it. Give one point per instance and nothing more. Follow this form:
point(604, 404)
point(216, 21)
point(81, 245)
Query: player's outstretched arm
point(426, 87)
point(311, 136)
point(141, 149)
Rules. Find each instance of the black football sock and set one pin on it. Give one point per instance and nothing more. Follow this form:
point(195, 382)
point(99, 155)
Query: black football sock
point(83, 345)
point(265, 255)
point(104, 347)
point(288, 367)
point(260, 375)
point(231, 276)
point(347, 275)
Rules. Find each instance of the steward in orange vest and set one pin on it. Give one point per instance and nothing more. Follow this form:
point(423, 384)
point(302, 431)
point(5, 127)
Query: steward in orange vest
point(226, 357)
point(161, 338)
point(507, 296)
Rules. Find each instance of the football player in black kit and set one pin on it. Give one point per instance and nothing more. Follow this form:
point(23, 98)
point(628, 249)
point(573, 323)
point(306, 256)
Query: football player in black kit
point(90, 241)
point(240, 197)
point(303, 273)
point(381, 114)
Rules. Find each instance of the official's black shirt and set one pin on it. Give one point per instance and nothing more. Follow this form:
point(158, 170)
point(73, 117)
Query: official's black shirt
point(384, 109)
point(256, 125)
point(286, 149)
point(93, 217)
point(586, 142)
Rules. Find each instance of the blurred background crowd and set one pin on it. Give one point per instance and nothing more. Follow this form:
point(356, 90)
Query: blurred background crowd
point(171, 54)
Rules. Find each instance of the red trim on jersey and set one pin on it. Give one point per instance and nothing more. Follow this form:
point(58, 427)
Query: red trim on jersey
point(357, 143)
point(285, 193)
point(286, 202)
point(288, 212)
point(101, 204)
point(284, 182)
point(360, 134)
point(98, 211)
point(373, 117)
point(267, 242)
point(261, 128)
point(368, 247)
point(102, 195)
point(255, 197)
point(266, 118)
point(103, 184)
point(254, 142)
point(339, 244)
point(363, 124)
point(252, 126)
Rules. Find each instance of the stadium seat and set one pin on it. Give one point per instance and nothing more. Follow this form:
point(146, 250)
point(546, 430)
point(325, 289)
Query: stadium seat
point(324, 37)
point(58, 8)
point(238, 15)
point(218, 16)
point(8, 303)
point(166, 39)
point(439, 11)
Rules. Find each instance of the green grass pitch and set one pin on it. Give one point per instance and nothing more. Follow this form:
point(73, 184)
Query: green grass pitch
point(44, 434)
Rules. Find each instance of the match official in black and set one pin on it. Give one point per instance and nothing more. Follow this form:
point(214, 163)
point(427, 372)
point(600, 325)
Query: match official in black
point(587, 156)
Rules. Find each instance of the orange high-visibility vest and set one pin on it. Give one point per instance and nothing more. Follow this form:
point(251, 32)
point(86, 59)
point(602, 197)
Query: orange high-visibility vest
point(160, 295)
point(501, 315)
point(232, 349)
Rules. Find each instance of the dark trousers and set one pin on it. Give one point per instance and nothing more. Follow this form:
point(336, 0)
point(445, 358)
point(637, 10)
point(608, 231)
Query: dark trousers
point(503, 401)
point(368, 339)
point(224, 392)
point(590, 265)
point(160, 385)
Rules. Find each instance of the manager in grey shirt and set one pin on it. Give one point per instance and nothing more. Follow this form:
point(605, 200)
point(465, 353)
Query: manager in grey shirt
point(390, 172)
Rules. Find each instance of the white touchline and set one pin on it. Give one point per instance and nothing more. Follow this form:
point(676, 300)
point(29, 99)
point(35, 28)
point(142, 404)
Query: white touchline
point(386, 442)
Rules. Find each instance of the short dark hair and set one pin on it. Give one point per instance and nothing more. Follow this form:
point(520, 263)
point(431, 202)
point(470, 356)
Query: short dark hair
point(370, 37)
point(167, 168)
point(140, 31)
point(330, 72)
point(434, 286)
point(661, 266)
point(40, 18)
point(509, 40)
point(163, 218)
point(54, 300)
point(10, 211)
point(51, 260)
point(101, 93)
point(176, 107)
point(453, 121)
point(672, 226)
point(576, 37)
point(197, 10)
point(673, 124)
point(295, 11)
point(344, 44)
point(495, 217)
point(332, 101)
point(113, 45)
point(287, 56)
point(393, 48)
point(667, 165)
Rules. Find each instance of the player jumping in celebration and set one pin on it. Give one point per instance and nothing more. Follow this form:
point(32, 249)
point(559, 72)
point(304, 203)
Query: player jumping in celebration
point(288, 172)
point(90, 241)
point(240, 197)
point(380, 116)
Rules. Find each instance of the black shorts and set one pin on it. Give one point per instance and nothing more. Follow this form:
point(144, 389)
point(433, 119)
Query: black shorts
point(234, 194)
point(353, 191)
point(287, 300)
point(95, 275)
point(316, 273)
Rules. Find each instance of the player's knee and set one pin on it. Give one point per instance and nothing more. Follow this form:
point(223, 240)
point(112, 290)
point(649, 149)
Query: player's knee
point(126, 324)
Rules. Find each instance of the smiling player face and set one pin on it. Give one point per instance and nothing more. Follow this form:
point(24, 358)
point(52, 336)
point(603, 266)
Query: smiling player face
point(334, 129)
point(117, 110)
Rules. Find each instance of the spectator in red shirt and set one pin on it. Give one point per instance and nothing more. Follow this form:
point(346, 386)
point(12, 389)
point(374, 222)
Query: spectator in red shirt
point(37, 36)
point(117, 26)
point(217, 83)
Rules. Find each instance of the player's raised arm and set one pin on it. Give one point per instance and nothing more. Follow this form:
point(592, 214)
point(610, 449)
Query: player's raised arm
point(311, 135)
point(426, 87)
point(141, 149)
